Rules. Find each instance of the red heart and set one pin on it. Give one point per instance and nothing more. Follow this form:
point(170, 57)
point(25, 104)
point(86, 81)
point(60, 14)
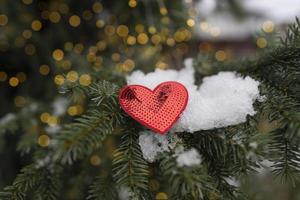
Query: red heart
point(158, 109)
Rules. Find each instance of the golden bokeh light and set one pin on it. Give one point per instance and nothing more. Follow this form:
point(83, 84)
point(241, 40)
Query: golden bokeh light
point(190, 22)
point(91, 57)
point(152, 29)
point(163, 11)
point(36, 25)
point(261, 42)
point(20, 101)
point(142, 38)
point(215, 31)
point(74, 20)
point(100, 23)
point(101, 45)
point(66, 64)
point(58, 54)
point(128, 65)
point(87, 15)
point(3, 20)
point(59, 79)
point(115, 57)
point(54, 17)
point(220, 55)
point(122, 31)
point(97, 7)
point(132, 3)
point(85, 79)
point(154, 185)
point(75, 110)
point(204, 26)
point(44, 140)
point(78, 48)
point(171, 42)
point(109, 30)
point(156, 39)
point(131, 40)
point(161, 65)
point(95, 160)
point(52, 121)
point(63, 8)
point(3, 76)
point(72, 76)
point(44, 70)
point(268, 26)
point(13, 81)
point(161, 196)
point(44, 117)
point(27, 34)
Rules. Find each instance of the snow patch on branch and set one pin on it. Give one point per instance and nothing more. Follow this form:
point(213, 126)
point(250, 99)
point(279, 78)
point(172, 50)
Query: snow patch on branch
point(221, 100)
point(7, 119)
point(188, 158)
point(153, 144)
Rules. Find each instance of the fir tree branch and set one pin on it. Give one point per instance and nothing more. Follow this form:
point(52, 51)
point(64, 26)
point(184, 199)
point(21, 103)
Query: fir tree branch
point(103, 188)
point(283, 148)
point(185, 182)
point(129, 167)
point(40, 182)
point(87, 133)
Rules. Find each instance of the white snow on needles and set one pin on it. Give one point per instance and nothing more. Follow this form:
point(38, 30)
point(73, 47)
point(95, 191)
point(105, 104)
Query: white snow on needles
point(221, 100)
point(188, 158)
point(153, 144)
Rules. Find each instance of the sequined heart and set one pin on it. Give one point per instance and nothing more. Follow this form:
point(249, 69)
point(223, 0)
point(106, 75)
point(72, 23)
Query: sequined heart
point(156, 109)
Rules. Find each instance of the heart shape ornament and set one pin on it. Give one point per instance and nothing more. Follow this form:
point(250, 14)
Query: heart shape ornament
point(156, 109)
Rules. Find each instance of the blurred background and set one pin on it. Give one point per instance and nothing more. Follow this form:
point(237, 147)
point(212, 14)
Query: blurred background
point(48, 46)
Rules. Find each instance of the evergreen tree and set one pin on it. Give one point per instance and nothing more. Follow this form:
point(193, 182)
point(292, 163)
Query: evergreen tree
point(93, 151)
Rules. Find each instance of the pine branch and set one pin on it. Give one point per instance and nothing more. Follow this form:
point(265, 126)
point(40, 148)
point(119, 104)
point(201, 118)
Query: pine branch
point(286, 157)
point(130, 169)
point(103, 188)
point(185, 182)
point(8, 123)
point(88, 132)
point(103, 90)
point(284, 148)
point(50, 185)
point(286, 111)
point(292, 36)
point(41, 182)
point(224, 152)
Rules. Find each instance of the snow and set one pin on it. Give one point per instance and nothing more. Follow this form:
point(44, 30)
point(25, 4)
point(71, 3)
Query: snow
point(188, 158)
point(152, 144)
point(124, 193)
point(7, 118)
point(60, 106)
point(233, 181)
point(221, 100)
point(53, 129)
point(43, 162)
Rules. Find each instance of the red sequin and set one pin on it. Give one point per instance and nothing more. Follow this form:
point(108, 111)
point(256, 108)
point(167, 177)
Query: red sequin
point(158, 109)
